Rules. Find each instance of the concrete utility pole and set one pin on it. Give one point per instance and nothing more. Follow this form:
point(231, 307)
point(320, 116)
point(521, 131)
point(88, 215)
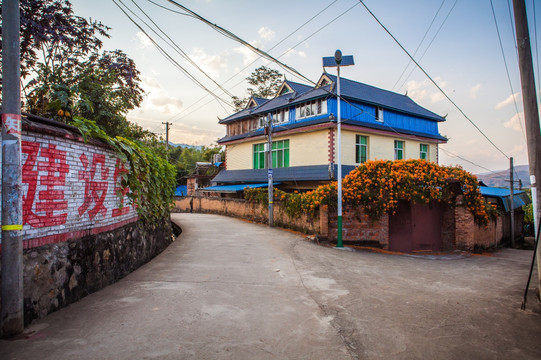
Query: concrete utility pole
point(167, 134)
point(269, 167)
point(512, 195)
point(531, 112)
point(12, 319)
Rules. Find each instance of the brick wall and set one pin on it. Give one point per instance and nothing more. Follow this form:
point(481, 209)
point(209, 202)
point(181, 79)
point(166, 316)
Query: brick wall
point(358, 228)
point(69, 187)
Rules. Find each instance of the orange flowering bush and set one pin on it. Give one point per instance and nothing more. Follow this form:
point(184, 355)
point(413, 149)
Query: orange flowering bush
point(378, 185)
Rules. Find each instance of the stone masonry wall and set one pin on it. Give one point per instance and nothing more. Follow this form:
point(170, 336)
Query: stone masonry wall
point(78, 235)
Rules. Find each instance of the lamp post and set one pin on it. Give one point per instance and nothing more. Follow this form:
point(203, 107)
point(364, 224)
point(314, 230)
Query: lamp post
point(337, 61)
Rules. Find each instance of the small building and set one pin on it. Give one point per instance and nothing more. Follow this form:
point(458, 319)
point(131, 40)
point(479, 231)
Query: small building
point(376, 124)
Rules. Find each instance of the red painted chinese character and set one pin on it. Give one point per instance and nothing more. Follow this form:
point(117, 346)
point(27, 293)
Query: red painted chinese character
point(95, 191)
point(119, 170)
point(51, 200)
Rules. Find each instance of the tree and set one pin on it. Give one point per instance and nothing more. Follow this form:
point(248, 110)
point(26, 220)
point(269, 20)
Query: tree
point(266, 81)
point(66, 73)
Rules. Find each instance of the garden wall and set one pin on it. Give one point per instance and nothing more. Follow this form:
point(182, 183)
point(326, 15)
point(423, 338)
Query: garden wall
point(78, 235)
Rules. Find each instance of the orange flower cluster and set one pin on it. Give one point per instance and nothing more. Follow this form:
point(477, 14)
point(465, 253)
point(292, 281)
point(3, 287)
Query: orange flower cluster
point(377, 186)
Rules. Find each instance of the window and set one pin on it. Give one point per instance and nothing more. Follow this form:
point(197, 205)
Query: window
point(398, 150)
point(259, 156)
point(280, 154)
point(361, 149)
point(280, 116)
point(311, 108)
point(379, 114)
point(424, 151)
point(262, 120)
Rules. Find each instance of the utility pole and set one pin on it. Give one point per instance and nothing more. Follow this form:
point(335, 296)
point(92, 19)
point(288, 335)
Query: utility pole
point(531, 112)
point(269, 167)
point(512, 205)
point(12, 318)
point(167, 134)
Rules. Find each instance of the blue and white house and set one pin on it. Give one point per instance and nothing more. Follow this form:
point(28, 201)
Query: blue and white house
point(376, 124)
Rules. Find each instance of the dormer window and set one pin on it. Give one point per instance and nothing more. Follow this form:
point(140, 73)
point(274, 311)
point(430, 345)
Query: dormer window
point(311, 108)
point(280, 116)
point(379, 114)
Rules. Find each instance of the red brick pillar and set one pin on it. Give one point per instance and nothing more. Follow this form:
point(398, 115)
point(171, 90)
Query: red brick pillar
point(464, 226)
point(324, 221)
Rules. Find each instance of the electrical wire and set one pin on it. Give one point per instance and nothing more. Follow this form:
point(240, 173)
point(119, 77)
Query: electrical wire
point(432, 80)
point(507, 69)
point(420, 43)
point(466, 160)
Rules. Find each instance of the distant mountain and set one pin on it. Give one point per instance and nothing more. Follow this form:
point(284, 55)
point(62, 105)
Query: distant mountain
point(198, 147)
point(498, 178)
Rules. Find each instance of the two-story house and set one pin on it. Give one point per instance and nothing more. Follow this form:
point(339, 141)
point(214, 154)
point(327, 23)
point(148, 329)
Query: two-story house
point(376, 124)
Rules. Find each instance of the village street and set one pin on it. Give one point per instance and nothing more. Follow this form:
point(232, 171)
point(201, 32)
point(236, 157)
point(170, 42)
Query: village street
point(230, 289)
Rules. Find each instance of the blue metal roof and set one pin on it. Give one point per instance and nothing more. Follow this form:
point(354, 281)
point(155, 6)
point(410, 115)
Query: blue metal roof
point(295, 173)
point(298, 87)
point(181, 190)
point(520, 198)
point(233, 188)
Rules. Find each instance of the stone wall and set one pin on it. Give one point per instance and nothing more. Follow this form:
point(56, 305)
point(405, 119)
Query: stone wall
point(78, 234)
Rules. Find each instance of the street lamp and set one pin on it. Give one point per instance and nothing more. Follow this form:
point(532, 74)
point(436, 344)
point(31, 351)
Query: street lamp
point(337, 61)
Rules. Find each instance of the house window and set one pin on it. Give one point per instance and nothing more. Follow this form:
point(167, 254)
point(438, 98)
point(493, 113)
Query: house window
point(280, 116)
point(259, 156)
point(361, 149)
point(262, 121)
point(280, 154)
point(311, 108)
point(398, 150)
point(379, 114)
point(424, 151)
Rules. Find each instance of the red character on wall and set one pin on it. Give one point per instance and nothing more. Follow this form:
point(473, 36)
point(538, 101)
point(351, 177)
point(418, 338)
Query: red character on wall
point(95, 190)
point(51, 200)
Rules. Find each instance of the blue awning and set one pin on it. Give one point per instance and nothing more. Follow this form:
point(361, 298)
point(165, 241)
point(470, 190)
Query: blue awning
point(520, 198)
point(234, 188)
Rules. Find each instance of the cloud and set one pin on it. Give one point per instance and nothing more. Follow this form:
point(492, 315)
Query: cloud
point(291, 52)
point(515, 122)
point(474, 91)
point(507, 101)
point(211, 64)
point(248, 54)
point(419, 90)
point(150, 82)
point(167, 103)
point(144, 41)
point(266, 33)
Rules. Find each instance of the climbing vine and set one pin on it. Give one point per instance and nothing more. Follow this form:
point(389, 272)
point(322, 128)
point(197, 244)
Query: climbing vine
point(377, 186)
point(151, 178)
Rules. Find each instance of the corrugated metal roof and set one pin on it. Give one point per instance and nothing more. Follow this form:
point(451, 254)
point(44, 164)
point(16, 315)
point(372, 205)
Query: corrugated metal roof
point(295, 173)
point(233, 188)
point(520, 198)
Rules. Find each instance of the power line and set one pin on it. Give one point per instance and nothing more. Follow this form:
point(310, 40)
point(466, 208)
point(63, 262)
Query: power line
point(167, 56)
point(420, 42)
point(466, 160)
point(507, 69)
point(432, 80)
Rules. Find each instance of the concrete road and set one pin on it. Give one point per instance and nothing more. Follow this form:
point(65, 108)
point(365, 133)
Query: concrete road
point(229, 289)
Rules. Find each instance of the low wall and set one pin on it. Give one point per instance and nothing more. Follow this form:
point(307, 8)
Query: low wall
point(358, 228)
point(249, 210)
point(78, 235)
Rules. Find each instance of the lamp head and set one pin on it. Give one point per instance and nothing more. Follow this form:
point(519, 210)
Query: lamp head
point(338, 56)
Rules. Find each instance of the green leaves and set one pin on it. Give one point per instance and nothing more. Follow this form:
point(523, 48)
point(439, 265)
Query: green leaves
point(151, 178)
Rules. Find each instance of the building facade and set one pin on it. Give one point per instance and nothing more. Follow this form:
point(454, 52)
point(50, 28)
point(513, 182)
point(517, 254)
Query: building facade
point(376, 124)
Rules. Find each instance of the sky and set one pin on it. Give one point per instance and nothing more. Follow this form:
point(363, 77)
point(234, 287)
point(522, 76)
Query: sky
point(455, 41)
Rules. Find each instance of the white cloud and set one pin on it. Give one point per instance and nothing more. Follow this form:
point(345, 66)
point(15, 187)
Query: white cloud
point(165, 102)
point(266, 34)
point(515, 122)
point(291, 52)
point(144, 41)
point(248, 54)
point(507, 101)
point(150, 82)
point(474, 91)
point(419, 90)
point(211, 64)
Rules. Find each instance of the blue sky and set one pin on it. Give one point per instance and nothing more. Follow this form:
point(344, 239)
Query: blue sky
point(464, 59)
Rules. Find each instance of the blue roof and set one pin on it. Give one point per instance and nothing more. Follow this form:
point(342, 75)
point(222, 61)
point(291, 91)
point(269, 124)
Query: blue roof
point(181, 190)
point(233, 188)
point(298, 87)
point(520, 198)
point(295, 173)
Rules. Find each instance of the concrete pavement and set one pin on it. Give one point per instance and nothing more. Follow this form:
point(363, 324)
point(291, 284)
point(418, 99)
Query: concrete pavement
point(229, 289)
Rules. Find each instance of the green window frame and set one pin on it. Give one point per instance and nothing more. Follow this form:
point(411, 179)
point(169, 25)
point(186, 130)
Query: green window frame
point(259, 156)
point(361, 149)
point(423, 149)
point(280, 154)
point(398, 150)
